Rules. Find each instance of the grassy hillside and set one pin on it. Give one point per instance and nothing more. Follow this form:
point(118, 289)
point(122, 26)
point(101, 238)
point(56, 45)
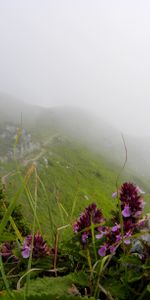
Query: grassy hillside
point(70, 177)
point(77, 162)
point(70, 169)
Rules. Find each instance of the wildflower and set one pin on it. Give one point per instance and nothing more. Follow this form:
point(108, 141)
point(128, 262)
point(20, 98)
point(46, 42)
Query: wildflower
point(126, 211)
point(103, 232)
point(84, 237)
point(114, 195)
point(103, 249)
point(5, 250)
point(127, 235)
point(127, 242)
point(128, 192)
point(91, 215)
point(112, 249)
point(132, 203)
point(137, 214)
point(26, 246)
point(115, 228)
point(40, 247)
point(99, 236)
point(118, 238)
point(76, 227)
point(128, 224)
point(26, 252)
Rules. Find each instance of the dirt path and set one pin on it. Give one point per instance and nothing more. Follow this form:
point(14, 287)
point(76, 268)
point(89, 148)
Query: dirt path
point(26, 162)
point(41, 153)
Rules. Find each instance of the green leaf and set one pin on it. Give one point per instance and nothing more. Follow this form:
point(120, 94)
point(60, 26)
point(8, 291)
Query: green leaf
point(9, 211)
point(57, 286)
point(4, 277)
point(103, 262)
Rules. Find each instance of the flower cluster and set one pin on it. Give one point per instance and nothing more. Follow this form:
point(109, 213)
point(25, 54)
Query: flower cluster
point(40, 248)
point(6, 251)
point(91, 215)
point(132, 205)
point(111, 238)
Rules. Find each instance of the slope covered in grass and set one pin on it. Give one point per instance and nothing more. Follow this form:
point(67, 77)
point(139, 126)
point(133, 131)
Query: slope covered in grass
point(69, 174)
point(69, 178)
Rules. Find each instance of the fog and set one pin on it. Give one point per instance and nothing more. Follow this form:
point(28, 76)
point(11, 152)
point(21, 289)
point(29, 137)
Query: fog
point(88, 53)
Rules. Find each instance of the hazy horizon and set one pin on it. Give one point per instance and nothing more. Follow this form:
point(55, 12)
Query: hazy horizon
point(89, 54)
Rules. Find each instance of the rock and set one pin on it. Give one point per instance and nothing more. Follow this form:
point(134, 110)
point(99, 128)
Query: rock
point(142, 243)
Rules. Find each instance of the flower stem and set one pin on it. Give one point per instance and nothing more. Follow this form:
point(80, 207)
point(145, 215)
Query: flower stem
point(89, 260)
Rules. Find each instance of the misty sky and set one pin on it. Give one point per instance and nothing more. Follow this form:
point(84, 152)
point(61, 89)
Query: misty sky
point(90, 53)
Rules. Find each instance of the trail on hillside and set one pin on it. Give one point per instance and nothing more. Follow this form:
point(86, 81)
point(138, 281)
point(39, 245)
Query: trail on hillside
point(42, 151)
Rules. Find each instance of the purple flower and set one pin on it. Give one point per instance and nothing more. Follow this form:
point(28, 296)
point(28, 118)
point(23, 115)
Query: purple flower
point(40, 247)
point(100, 235)
point(128, 192)
point(26, 252)
point(103, 231)
point(84, 237)
point(118, 238)
point(76, 228)
point(115, 228)
point(126, 211)
point(132, 205)
point(137, 214)
point(102, 250)
point(130, 196)
point(127, 242)
point(6, 251)
point(127, 235)
point(26, 246)
point(90, 215)
point(112, 249)
point(114, 195)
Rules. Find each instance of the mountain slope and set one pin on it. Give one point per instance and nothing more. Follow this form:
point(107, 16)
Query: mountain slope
point(69, 178)
point(77, 162)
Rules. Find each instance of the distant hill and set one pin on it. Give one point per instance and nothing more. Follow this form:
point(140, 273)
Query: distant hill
point(15, 111)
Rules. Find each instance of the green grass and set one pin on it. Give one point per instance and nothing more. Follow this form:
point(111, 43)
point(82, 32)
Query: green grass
point(54, 190)
point(73, 178)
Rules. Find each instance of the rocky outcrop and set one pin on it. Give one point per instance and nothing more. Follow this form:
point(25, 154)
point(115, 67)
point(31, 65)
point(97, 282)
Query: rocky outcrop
point(12, 138)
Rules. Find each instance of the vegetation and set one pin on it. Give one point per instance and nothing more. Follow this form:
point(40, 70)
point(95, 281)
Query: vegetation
point(62, 234)
point(101, 260)
point(55, 257)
